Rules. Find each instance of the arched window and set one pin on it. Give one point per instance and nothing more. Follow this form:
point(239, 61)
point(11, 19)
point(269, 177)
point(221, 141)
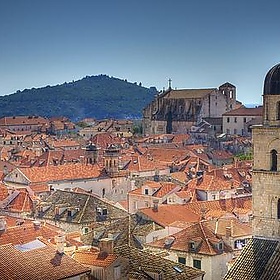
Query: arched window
point(273, 160)
point(278, 110)
point(278, 209)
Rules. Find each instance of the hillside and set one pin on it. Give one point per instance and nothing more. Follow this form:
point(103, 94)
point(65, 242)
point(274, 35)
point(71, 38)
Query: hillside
point(93, 96)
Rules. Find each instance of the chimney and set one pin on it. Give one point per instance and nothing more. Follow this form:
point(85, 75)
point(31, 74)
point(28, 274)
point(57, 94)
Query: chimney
point(3, 224)
point(106, 245)
point(36, 224)
point(155, 205)
point(228, 232)
point(60, 239)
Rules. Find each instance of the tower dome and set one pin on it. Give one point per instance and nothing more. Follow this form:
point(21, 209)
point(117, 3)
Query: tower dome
point(272, 81)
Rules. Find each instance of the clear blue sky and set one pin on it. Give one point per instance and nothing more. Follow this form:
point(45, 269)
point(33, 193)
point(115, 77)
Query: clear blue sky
point(196, 43)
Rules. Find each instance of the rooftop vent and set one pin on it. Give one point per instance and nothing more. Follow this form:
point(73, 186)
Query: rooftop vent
point(2, 223)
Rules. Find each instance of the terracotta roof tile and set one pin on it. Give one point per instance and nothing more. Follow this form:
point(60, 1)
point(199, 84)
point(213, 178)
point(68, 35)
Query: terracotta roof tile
point(238, 229)
point(99, 259)
point(168, 214)
point(200, 233)
point(27, 232)
point(60, 172)
point(43, 263)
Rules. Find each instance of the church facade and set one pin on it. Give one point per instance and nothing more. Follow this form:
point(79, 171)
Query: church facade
point(176, 111)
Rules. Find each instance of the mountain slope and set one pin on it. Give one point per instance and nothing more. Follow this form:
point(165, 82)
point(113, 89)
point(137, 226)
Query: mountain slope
point(93, 96)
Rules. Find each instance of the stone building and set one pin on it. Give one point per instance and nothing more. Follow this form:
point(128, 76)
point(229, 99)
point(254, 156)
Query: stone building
point(266, 176)
point(176, 111)
point(237, 122)
point(260, 257)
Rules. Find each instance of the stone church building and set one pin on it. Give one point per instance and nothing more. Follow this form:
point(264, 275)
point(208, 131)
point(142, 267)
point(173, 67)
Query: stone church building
point(176, 111)
point(260, 258)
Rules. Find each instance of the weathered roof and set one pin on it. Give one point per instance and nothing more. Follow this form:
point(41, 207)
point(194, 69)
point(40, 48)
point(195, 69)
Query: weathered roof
point(259, 259)
point(200, 232)
point(27, 232)
point(141, 262)
point(23, 120)
point(188, 93)
point(99, 259)
point(242, 111)
point(42, 263)
point(85, 204)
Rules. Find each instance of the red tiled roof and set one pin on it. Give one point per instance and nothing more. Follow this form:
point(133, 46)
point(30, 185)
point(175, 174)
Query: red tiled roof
point(168, 214)
point(60, 172)
point(27, 232)
point(43, 263)
point(23, 120)
point(210, 182)
point(39, 188)
point(199, 232)
point(238, 229)
point(193, 212)
point(22, 203)
point(100, 259)
point(166, 187)
point(141, 163)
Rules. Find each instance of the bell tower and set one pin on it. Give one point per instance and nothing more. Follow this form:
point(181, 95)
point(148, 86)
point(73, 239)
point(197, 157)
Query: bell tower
point(111, 160)
point(266, 170)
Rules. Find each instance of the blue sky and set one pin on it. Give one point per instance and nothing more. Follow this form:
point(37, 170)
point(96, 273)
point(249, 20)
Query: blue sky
point(196, 43)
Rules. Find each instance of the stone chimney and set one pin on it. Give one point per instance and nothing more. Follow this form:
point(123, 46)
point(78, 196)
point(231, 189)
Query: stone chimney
point(106, 245)
point(155, 205)
point(3, 224)
point(228, 232)
point(60, 239)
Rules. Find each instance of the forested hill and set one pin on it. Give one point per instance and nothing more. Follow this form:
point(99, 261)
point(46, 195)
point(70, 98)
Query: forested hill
point(93, 96)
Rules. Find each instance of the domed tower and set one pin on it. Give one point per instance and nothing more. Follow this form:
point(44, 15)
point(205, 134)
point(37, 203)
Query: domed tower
point(266, 170)
point(271, 97)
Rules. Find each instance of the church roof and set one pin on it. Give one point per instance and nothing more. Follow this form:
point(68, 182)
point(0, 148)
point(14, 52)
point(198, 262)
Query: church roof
point(272, 81)
point(188, 93)
point(227, 84)
point(259, 260)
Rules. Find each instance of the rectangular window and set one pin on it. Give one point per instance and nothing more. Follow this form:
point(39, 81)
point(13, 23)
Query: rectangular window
point(182, 260)
point(228, 119)
point(235, 131)
point(197, 264)
point(244, 120)
point(146, 191)
point(117, 272)
point(235, 120)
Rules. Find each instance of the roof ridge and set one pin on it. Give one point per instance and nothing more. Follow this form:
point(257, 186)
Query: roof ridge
point(204, 234)
point(84, 208)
